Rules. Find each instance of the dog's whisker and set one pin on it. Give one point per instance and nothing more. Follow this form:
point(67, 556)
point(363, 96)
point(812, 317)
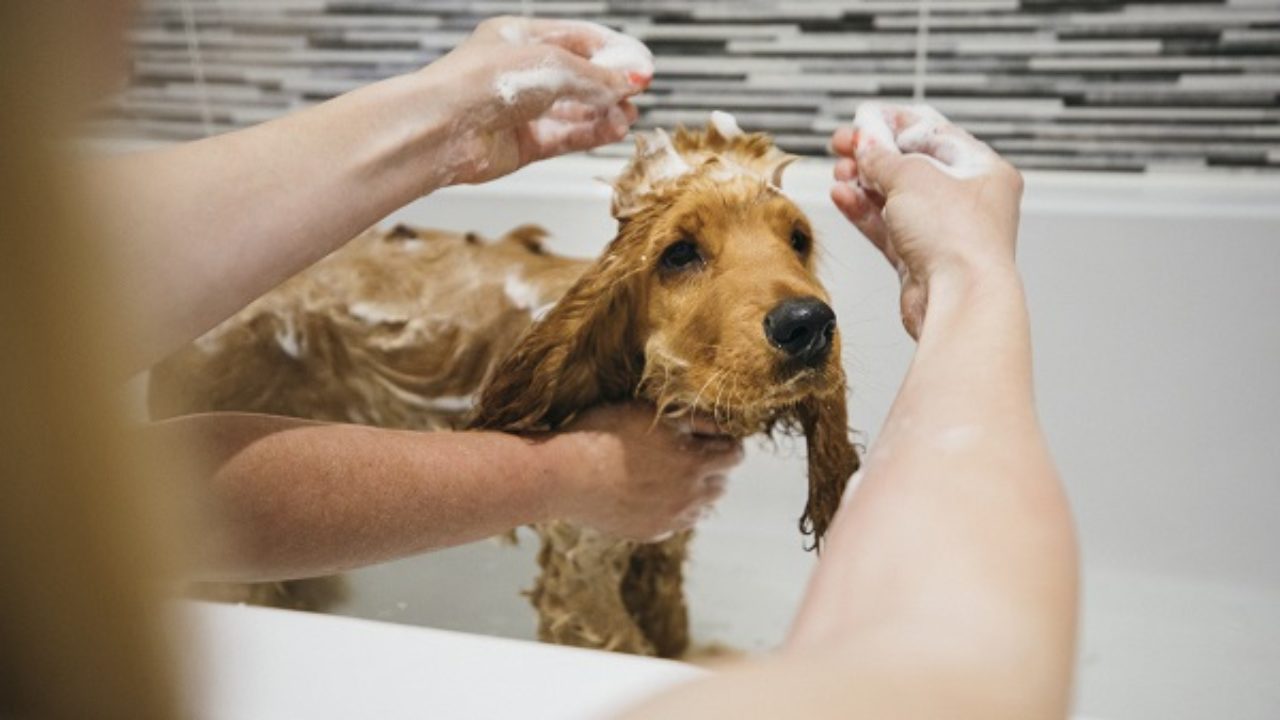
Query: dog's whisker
point(698, 397)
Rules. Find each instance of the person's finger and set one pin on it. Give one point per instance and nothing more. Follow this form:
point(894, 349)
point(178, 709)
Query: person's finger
point(577, 36)
point(922, 130)
point(885, 170)
point(699, 425)
point(846, 169)
point(614, 81)
point(694, 514)
point(856, 205)
point(871, 125)
point(573, 111)
point(714, 486)
point(551, 136)
point(710, 489)
point(842, 141)
point(600, 45)
point(630, 112)
point(553, 75)
point(720, 455)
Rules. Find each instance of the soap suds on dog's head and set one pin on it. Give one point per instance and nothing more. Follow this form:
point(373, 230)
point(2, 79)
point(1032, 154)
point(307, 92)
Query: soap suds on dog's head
point(721, 153)
point(725, 124)
point(920, 129)
point(664, 162)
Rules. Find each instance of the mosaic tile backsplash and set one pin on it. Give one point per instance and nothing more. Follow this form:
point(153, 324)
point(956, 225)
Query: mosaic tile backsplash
point(1076, 85)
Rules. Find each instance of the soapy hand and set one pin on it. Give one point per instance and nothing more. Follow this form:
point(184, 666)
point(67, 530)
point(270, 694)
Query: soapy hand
point(523, 89)
point(934, 199)
point(629, 477)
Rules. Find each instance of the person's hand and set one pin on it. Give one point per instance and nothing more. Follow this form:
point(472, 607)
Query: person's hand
point(520, 90)
point(931, 197)
point(628, 476)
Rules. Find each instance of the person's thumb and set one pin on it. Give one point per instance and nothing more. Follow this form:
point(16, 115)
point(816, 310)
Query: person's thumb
point(878, 165)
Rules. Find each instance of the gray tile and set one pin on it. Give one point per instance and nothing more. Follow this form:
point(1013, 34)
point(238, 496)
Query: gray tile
point(1081, 85)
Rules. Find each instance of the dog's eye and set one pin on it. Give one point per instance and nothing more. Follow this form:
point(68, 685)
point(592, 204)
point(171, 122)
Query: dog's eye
point(681, 255)
point(800, 242)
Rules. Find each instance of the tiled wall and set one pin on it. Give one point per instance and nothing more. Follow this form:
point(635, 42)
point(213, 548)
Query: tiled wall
point(1083, 84)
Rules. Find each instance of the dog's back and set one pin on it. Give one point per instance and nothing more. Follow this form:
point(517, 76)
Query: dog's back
point(397, 329)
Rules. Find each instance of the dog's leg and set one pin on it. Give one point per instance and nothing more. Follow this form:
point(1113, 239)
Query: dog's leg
point(579, 596)
point(653, 592)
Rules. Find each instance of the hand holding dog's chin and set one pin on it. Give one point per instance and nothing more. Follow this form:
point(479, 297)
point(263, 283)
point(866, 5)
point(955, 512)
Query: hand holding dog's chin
point(622, 474)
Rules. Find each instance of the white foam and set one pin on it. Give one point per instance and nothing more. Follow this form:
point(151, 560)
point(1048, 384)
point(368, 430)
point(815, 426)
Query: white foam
point(511, 85)
point(287, 337)
point(666, 162)
point(550, 132)
point(440, 403)
point(522, 294)
point(513, 32)
point(957, 155)
point(621, 52)
point(539, 313)
point(553, 133)
point(452, 403)
point(870, 122)
point(617, 51)
point(725, 124)
point(373, 314)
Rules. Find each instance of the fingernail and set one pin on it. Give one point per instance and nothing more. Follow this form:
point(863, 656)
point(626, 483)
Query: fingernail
point(639, 81)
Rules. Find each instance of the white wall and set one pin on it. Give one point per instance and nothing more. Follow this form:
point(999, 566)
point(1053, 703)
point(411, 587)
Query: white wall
point(1154, 304)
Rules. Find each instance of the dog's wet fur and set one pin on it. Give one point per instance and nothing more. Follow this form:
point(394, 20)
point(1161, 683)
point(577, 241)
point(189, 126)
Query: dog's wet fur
point(422, 329)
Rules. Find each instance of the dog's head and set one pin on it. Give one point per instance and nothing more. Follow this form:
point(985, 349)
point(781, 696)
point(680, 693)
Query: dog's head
point(706, 302)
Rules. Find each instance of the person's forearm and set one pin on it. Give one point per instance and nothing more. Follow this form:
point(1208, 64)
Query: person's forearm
point(209, 226)
point(960, 490)
point(946, 586)
point(291, 498)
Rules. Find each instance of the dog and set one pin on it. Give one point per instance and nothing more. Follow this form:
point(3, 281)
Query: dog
point(705, 302)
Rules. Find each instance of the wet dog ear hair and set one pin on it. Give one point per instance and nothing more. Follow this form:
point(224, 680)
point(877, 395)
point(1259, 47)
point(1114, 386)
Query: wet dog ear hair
point(583, 353)
point(833, 459)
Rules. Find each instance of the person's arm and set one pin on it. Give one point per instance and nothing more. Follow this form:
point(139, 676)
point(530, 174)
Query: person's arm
point(209, 226)
point(292, 498)
point(947, 586)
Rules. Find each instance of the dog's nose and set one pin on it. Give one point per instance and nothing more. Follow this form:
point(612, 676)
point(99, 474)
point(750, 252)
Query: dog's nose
point(802, 328)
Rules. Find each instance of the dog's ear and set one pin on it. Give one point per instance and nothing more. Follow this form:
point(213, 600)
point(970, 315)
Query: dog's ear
point(583, 353)
point(833, 459)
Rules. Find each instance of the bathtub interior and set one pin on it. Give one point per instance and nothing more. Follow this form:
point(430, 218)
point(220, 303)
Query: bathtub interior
point(1156, 358)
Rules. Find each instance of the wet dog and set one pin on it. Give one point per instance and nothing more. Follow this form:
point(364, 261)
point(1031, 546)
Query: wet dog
point(705, 302)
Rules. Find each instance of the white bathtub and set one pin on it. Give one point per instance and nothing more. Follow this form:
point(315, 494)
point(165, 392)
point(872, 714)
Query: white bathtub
point(1154, 301)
